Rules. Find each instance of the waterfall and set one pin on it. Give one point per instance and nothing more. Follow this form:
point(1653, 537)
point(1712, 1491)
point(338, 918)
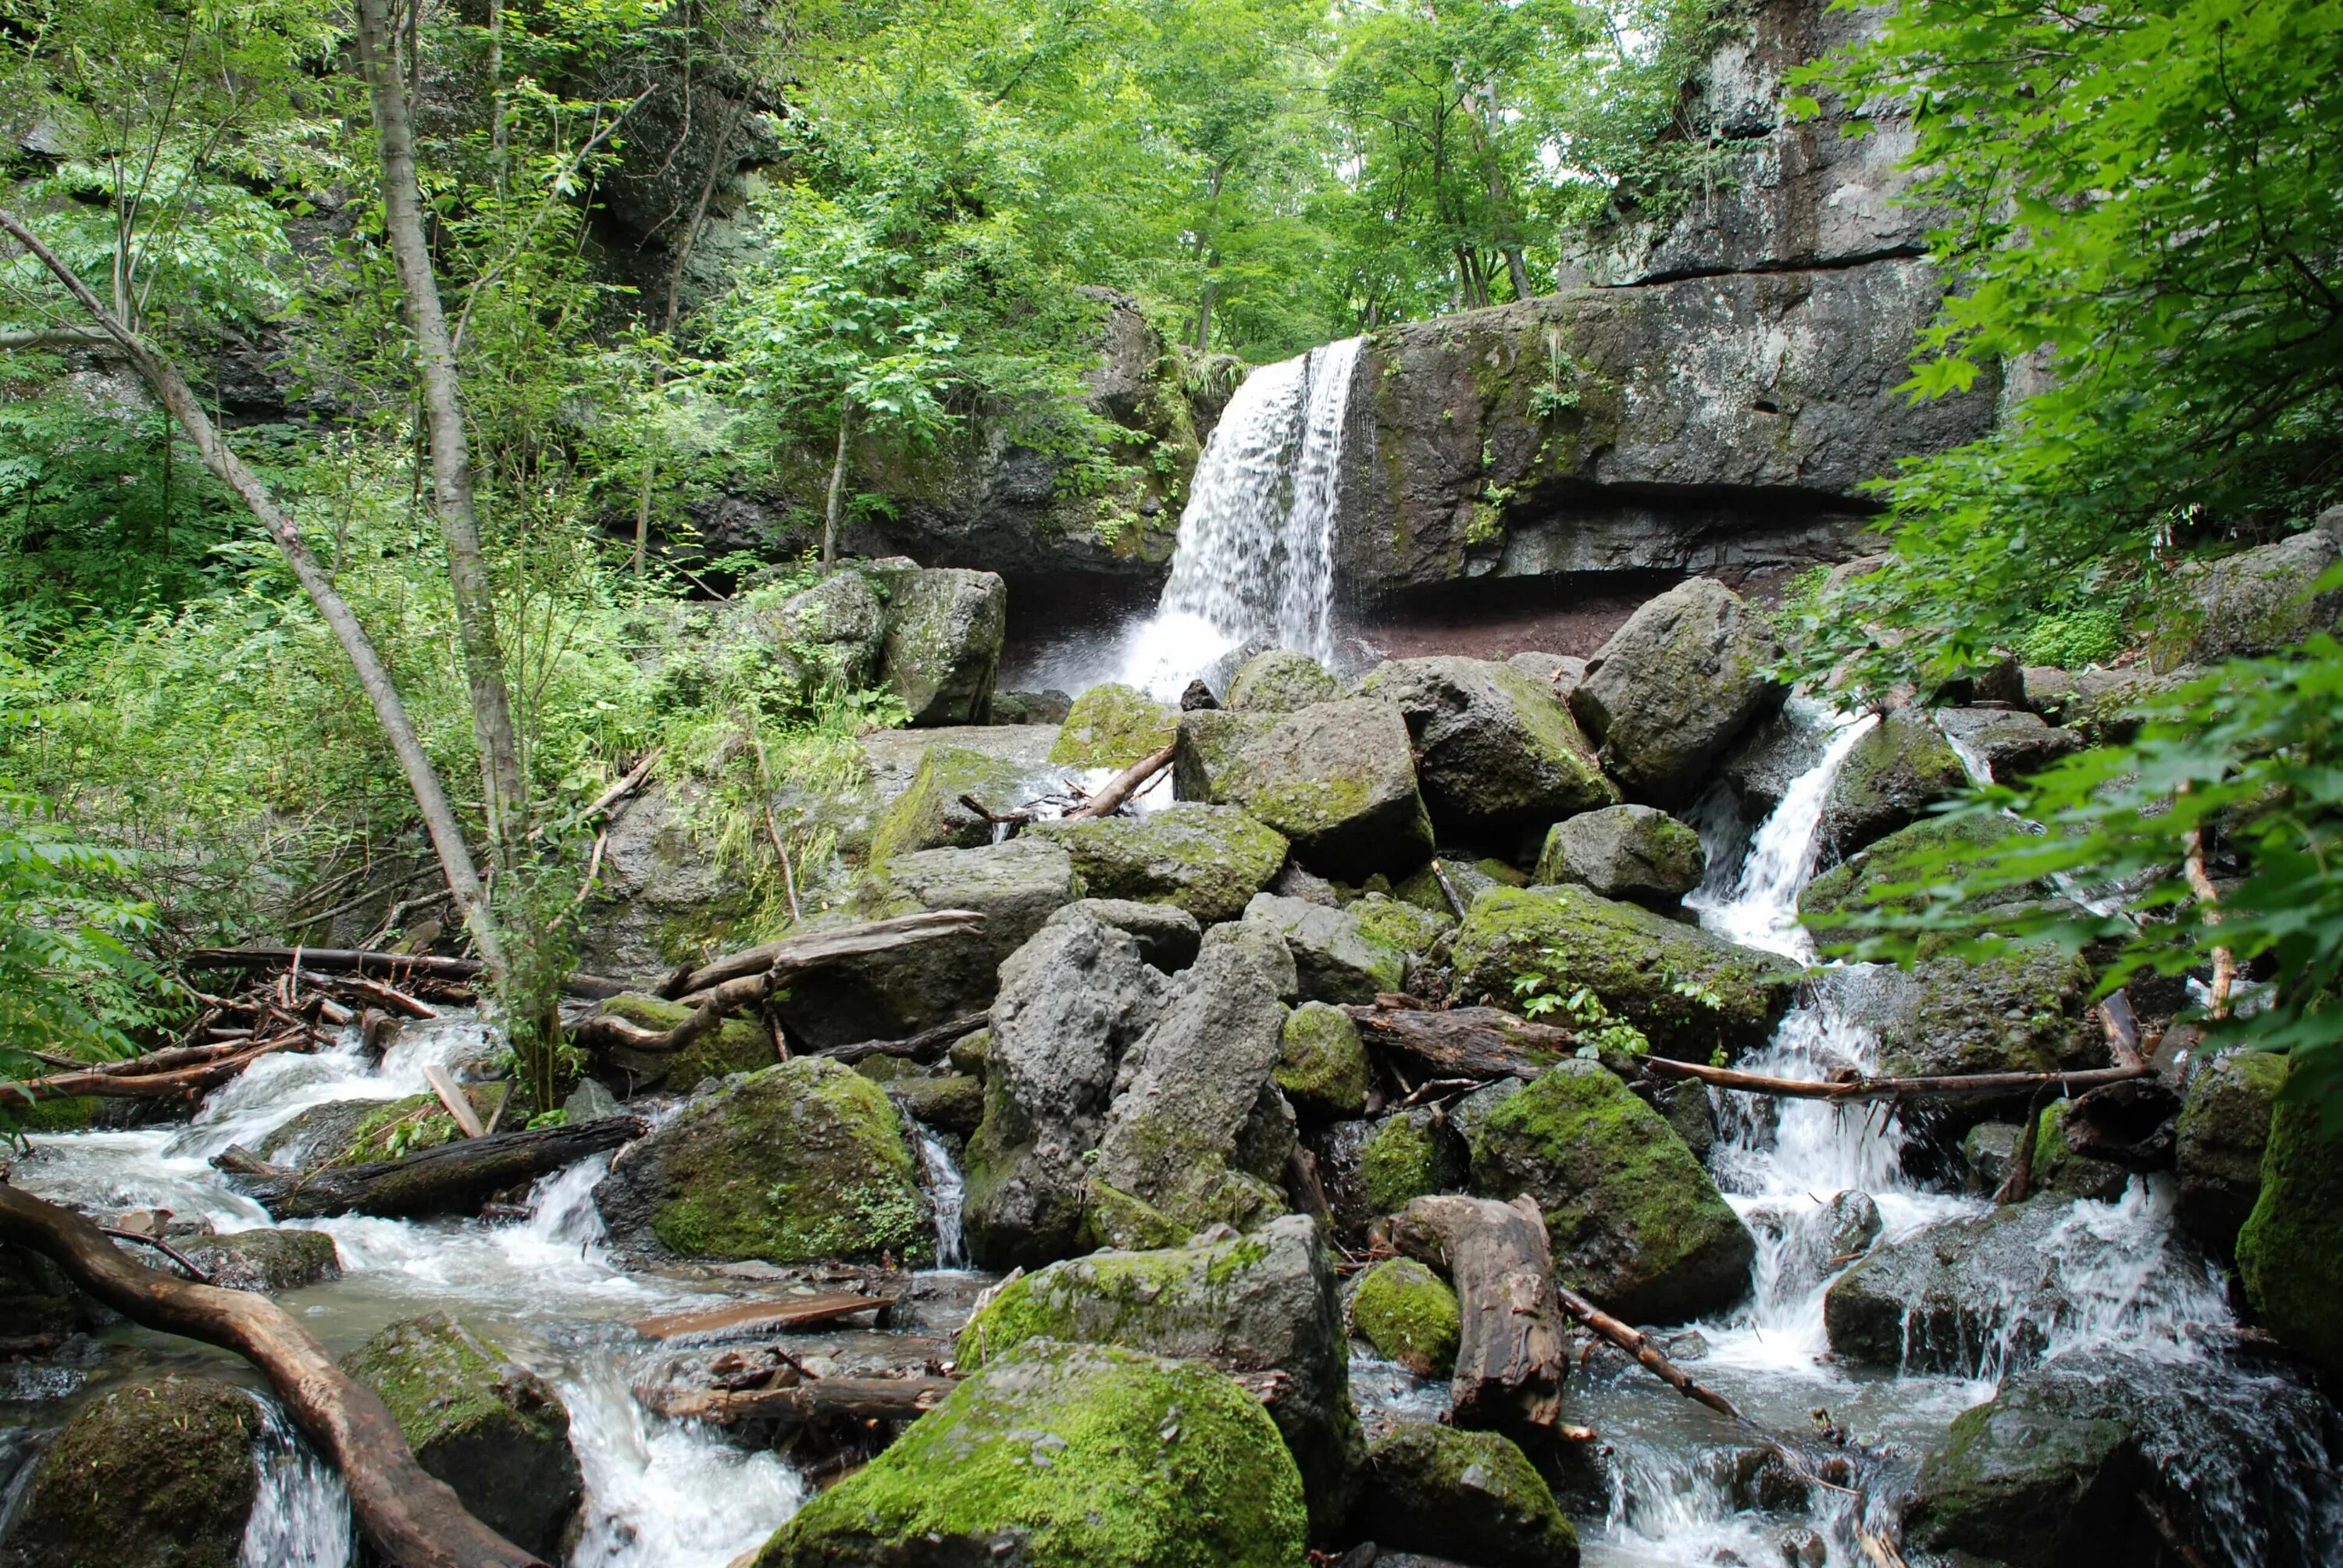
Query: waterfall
point(301, 1511)
point(946, 1188)
point(1761, 910)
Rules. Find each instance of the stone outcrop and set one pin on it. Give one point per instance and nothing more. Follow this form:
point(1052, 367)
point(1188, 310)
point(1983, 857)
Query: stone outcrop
point(1831, 903)
point(1494, 748)
point(942, 652)
point(1472, 1494)
point(271, 1260)
point(1638, 853)
point(1338, 779)
point(2224, 1129)
point(2255, 602)
point(1280, 681)
point(2010, 741)
point(1674, 687)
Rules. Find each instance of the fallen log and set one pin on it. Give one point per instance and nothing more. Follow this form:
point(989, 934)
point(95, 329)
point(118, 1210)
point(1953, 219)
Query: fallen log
point(412, 1517)
point(455, 1178)
point(922, 1047)
point(607, 1031)
point(812, 950)
point(1476, 1043)
point(165, 1085)
point(1510, 1357)
point(743, 1318)
point(370, 961)
point(1122, 786)
point(453, 1099)
point(826, 1399)
point(1637, 1344)
point(1856, 1089)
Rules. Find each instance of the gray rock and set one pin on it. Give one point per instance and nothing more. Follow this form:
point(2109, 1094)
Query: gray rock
point(1635, 852)
point(1557, 672)
point(1050, 707)
point(944, 630)
point(1777, 751)
point(1834, 904)
point(935, 813)
point(1322, 1069)
point(1904, 766)
point(1337, 959)
point(1495, 748)
point(2224, 1129)
point(840, 621)
point(1811, 1242)
point(1473, 1493)
point(267, 1261)
point(1986, 1150)
point(2012, 742)
point(2047, 690)
point(1337, 779)
point(1675, 687)
point(151, 1475)
point(2255, 602)
point(1167, 935)
point(592, 1100)
point(1281, 681)
point(2024, 1011)
point(1209, 861)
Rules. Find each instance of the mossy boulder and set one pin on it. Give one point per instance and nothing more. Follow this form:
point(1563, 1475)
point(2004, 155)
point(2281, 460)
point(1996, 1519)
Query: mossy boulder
point(2255, 602)
point(800, 1162)
point(931, 814)
point(1337, 779)
point(1636, 1223)
point(2223, 1131)
point(1410, 1154)
point(1829, 903)
point(2020, 1011)
point(2035, 1479)
point(2290, 1249)
point(1674, 687)
point(146, 1476)
point(1424, 890)
point(1112, 726)
point(486, 1426)
point(1469, 1495)
point(1281, 681)
point(1208, 859)
point(1068, 1456)
point(1256, 1304)
point(1636, 853)
point(736, 1045)
point(1322, 1065)
point(1634, 959)
point(1496, 750)
point(944, 630)
point(836, 628)
point(1409, 1314)
point(2060, 1173)
point(1904, 766)
point(266, 1259)
point(362, 1131)
point(1335, 956)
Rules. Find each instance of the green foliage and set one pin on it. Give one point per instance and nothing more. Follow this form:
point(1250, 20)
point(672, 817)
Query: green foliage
point(72, 980)
point(2073, 637)
point(1540, 995)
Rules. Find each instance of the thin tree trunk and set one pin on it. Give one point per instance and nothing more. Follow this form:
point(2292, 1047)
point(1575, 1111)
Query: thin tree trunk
point(837, 488)
point(1204, 318)
point(1520, 269)
point(171, 389)
point(451, 463)
point(499, 137)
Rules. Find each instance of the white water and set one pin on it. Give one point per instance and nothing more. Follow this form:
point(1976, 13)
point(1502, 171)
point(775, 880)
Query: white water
point(946, 1191)
point(1761, 909)
point(301, 1512)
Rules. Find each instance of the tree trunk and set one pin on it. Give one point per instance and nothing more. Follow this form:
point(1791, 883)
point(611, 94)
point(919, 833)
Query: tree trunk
point(451, 462)
point(1510, 1354)
point(412, 1517)
point(836, 500)
point(1520, 269)
point(1204, 316)
point(1482, 1042)
point(163, 378)
point(810, 949)
point(823, 1399)
point(453, 1179)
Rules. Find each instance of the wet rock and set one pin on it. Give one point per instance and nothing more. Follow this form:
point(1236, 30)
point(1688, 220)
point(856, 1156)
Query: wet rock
point(2126, 1126)
point(1636, 853)
point(268, 1260)
point(146, 1476)
point(2059, 1172)
point(1816, 1243)
point(1167, 935)
point(1467, 877)
point(1471, 1493)
point(2022, 1011)
point(942, 652)
point(1831, 901)
point(1409, 1314)
point(1198, 1132)
point(1208, 859)
point(1636, 1223)
point(2290, 1249)
point(1336, 777)
point(1073, 1002)
point(1338, 1147)
point(1986, 1149)
point(1675, 687)
point(1067, 1456)
point(1688, 1109)
point(1048, 707)
point(1777, 751)
point(360, 1131)
point(1112, 726)
point(736, 1045)
point(1495, 749)
point(1197, 697)
point(2255, 602)
point(1631, 958)
point(1335, 956)
point(1893, 775)
point(2223, 1131)
point(2030, 1479)
point(950, 1103)
point(491, 1429)
point(1322, 1065)
point(592, 1100)
point(1281, 681)
point(1255, 1304)
point(2013, 742)
point(1411, 1155)
point(799, 1162)
point(1557, 672)
point(932, 814)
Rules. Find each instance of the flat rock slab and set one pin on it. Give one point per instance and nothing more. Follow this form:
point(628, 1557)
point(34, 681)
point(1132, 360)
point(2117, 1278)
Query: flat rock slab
point(747, 1318)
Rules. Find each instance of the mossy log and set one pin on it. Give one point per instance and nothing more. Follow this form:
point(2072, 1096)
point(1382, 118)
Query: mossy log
point(1476, 1043)
point(414, 1519)
point(811, 1403)
point(455, 1178)
point(1509, 1352)
point(1856, 1089)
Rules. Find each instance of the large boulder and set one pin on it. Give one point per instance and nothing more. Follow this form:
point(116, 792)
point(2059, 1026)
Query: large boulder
point(836, 628)
point(2224, 1129)
point(798, 1163)
point(1904, 766)
point(1470, 1495)
point(1112, 726)
point(736, 1045)
point(1208, 859)
point(2009, 741)
point(1335, 956)
point(146, 1476)
point(2290, 1249)
point(1323, 1067)
point(1638, 853)
point(944, 631)
point(1834, 904)
point(1636, 1223)
point(1409, 1314)
point(1073, 1002)
point(1495, 749)
point(1674, 687)
point(1197, 1133)
point(1640, 965)
point(486, 1426)
point(2026, 1011)
point(1337, 779)
point(1258, 1303)
point(1281, 681)
point(1409, 1155)
point(2255, 602)
point(1067, 1456)
point(267, 1261)
point(933, 813)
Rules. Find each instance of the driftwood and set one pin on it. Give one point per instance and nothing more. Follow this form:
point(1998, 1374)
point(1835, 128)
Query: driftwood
point(411, 1516)
point(2020, 1182)
point(805, 1403)
point(1475, 1043)
point(812, 949)
point(388, 966)
point(455, 1178)
point(117, 1083)
point(1857, 1089)
point(1509, 1356)
point(1122, 786)
point(922, 1047)
point(454, 1101)
point(1637, 1344)
point(759, 1317)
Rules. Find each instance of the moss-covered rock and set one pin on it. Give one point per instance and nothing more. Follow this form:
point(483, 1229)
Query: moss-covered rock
point(2060, 1173)
point(2034, 1480)
point(1496, 750)
point(1859, 883)
point(2023, 1011)
point(836, 628)
point(797, 1164)
point(1322, 1065)
point(1068, 1456)
point(2255, 602)
point(1281, 681)
point(361, 1131)
point(1638, 853)
point(1632, 958)
point(1257, 1303)
point(146, 1475)
point(2223, 1131)
point(1337, 779)
point(951, 1102)
point(1408, 1155)
point(1470, 1495)
point(736, 1045)
point(491, 1429)
point(1409, 1314)
point(2290, 1249)
point(931, 814)
point(1112, 726)
point(944, 632)
point(1674, 688)
point(1208, 859)
point(1424, 890)
point(1894, 773)
point(1636, 1223)
point(266, 1260)
point(1336, 958)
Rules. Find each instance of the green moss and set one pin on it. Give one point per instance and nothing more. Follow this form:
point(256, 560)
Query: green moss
point(1086, 1457)
point(157, 1474)
point(1401, 924)
point(1422, 888)
point(1409, 1314)
point(409, 1126)
point(2060, 1171)
point(2290, 1252)
point(1281, 681)
point(1473, 1493)
point(441, 1382)
point(1402, 1160)
point(1113, 725)
point(737, 1045)
point(1858, 884)
point(1208, 859)
point(75, 1113)
point(928, 815)
point(1323, 1067)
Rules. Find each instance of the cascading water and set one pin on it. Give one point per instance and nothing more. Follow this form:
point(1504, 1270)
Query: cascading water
point(301, 1511)
point(946, 1189)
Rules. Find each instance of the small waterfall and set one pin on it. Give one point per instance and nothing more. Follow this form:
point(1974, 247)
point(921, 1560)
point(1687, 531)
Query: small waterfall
point(946, 1189)
point(1761, 908)
point(301, 1514)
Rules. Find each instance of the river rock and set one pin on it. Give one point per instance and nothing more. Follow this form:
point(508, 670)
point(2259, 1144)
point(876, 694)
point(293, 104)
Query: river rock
point(1636, 1223)
point(838, 626)
point(1638, 853)
point(1675, 687)
point(1322, 1065)
point(1112, 726)
point(1337, 779)
point(2027, 1010)
point(738, 1044)
point(1281, 681)
point(2059, 1172)
point(1167, 935)
point(1208, 859)
point(491, 1429)
point(1073, 1002)
point(146, 1476)
point(1067, 1456)
point(1046, 706)
point(1777, 751)
point(1257, 1303)
point(1830, 904)
point(361, 1131)
point(798, 1163)
point(932, 814)
point(1410, 1154)
point(1495, 749)
point(1472, 1494)
point(1894, 774)
point(1632, 960)
point(2255, 602)
point(1409, 1314)
point(944, 630)
point(947, 1101)
point(266, 1261)
point(2290, 1249)
point(1337, 959)
point(1198, 1132)
point(2012, 742)
point(2223, 1132)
